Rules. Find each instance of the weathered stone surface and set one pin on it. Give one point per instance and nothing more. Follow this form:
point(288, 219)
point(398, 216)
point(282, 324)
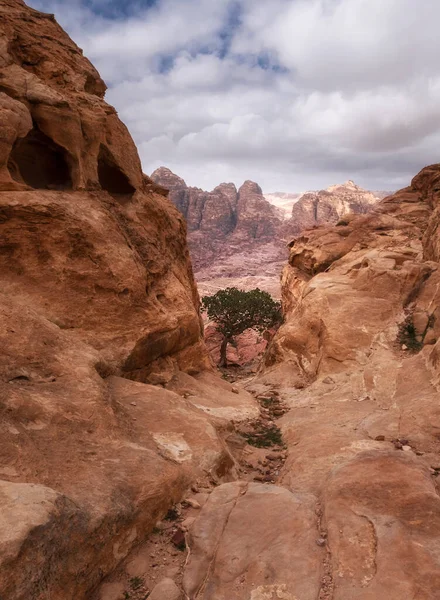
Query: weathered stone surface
point(248, 347)
point(77, 140)
point(383, 517)
point(328, 206)
point(120, 452)
point(358, 363)
point(256, 217)
point(165, 590)
point(35, 526)
point(213, 213)
point(97, 290)
point(254, 541)
point(224, 221)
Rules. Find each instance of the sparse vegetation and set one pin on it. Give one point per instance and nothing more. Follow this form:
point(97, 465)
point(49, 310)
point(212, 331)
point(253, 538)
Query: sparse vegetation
point(137, 589)
point(172, 515)
point(136, 583)
point(264, 437)
point(235, 310)
point(407, 336)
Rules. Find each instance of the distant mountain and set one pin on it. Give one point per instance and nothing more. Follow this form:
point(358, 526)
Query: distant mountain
point(223, 221)
point(329, 205)
point(284, 201)
point(238, 237)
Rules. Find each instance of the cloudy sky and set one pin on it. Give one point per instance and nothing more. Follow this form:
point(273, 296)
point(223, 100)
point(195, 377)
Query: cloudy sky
point(295, 94)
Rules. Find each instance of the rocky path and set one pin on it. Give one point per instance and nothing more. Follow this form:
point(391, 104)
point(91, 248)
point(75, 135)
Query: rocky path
point(157, 568)
point(334, 497)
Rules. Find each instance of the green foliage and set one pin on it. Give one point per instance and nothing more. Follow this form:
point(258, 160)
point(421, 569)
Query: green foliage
point(234, 311)
point(408, 336)
point(172, 515)
point(264, 437)
point(136, 583)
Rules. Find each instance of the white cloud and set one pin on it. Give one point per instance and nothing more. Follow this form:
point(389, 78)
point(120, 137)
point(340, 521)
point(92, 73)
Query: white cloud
point(307, 92)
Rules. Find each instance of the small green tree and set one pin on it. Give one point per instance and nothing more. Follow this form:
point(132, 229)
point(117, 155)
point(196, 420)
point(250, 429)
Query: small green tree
point(234, 311)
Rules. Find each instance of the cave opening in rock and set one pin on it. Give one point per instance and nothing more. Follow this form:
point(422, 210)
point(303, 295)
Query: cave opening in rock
point(111, 178)
point(39, 162)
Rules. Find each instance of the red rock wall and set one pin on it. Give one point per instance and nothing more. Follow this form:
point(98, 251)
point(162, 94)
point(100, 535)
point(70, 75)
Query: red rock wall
point(96, 291)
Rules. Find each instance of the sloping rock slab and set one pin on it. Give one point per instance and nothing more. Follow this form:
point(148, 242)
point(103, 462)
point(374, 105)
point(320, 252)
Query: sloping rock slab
point(256, 542)
point(383, 517)
point(36, 524)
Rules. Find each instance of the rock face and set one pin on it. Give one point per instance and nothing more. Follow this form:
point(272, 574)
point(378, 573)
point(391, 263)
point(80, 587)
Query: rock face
point(358, 362)
point(248, 348)
point(238, 238)
point(328, 206)
point(224, 221)
point(97, 302)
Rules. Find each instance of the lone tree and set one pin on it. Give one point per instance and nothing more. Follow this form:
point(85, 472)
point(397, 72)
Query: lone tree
point(234, 311)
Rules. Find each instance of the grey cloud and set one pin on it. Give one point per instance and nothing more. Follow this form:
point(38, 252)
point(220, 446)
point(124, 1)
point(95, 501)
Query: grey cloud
point(357, 95)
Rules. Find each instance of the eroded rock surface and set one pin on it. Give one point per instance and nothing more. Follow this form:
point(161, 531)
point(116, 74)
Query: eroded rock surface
point(253, 541)
point(224, 221)
point(97, 303)
point(329, 206)
point(357, 362)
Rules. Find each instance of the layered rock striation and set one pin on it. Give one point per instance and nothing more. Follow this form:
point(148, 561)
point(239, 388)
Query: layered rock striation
point(223, 222)
point(358, 363)
point(97, 303)
point(329, 206)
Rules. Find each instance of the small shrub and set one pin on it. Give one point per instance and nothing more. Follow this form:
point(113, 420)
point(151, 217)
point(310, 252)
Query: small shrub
point(264, 438)
point(172, 515)
point(341, 223)
point(136, 583)
point(408, 336)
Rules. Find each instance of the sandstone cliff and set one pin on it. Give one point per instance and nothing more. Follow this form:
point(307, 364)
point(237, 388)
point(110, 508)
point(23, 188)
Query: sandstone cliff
point(358, 362)
point(356, 509)
point(328, 206)
point(239, 237)
point(223, 222)
point(96, 291)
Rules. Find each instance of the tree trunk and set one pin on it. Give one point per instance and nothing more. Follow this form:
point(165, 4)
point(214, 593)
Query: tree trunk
point(223, 359)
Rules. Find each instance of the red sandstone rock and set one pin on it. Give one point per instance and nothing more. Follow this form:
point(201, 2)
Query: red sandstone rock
point(238, 238)
point(349, 292)
point(329, 206)
point(253, 541)
point(96, 289)
point(224, 221)
point(248, 348)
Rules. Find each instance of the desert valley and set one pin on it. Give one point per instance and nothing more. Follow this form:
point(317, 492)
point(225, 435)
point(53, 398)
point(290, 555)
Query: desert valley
point(131, 467)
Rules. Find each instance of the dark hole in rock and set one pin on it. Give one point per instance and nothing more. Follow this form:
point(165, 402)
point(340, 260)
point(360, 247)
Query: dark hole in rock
point(111, 178)
point(20, 378)
point(40, 163)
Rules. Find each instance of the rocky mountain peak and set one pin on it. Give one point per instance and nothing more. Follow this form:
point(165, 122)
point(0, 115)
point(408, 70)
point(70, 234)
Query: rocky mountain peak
point(168, 179)
point(329, 205)
point(222, 219)
point(250, 187)
point(230, 191)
